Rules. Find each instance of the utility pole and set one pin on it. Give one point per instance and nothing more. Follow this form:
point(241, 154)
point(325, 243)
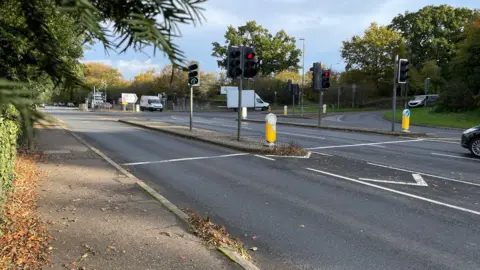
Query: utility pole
point(303, 78)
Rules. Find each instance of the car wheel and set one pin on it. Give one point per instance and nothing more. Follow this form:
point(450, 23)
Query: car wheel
point(161, 110)
point(475, 147)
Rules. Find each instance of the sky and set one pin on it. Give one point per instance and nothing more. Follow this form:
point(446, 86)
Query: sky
point(324, 24)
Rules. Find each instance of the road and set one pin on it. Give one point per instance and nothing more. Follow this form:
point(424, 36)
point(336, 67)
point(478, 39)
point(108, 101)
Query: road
point(360, 202)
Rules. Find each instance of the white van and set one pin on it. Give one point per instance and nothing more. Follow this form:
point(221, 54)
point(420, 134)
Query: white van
point(151, 103)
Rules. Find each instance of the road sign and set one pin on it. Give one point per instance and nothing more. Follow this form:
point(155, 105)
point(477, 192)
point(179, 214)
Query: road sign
point(129, 98)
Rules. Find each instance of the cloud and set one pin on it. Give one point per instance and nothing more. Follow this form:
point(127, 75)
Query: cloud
point(129, 68)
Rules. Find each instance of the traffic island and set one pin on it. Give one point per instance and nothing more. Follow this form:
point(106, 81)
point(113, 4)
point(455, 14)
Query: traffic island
point(347, 129)
point(246, 144)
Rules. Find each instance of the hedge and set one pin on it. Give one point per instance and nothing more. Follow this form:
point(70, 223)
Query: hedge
point(8, 150)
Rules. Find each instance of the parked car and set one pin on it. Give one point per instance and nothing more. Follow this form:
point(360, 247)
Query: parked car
point(471, 140)
point(420, 101)
point(70, 104)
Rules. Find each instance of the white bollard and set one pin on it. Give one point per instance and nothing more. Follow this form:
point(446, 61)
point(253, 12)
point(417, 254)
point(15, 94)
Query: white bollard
point(324, 108)
point(244, 113)
point(137, 108)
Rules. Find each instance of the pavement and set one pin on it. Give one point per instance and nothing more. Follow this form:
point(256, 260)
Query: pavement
point(101, 220)
point(362, 201)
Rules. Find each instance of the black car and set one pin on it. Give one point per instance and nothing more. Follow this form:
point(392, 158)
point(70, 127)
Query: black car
point(471, 140)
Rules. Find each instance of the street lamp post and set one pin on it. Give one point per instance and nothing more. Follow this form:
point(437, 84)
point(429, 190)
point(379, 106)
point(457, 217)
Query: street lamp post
point(303, 77)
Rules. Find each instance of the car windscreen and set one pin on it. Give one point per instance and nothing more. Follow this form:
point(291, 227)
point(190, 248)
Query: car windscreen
point(153, 101)
point(419, 97)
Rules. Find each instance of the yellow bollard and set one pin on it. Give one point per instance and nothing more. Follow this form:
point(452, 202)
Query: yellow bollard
point(269, 108)
point(406, 120)
point(271, 129)
point(285, 110)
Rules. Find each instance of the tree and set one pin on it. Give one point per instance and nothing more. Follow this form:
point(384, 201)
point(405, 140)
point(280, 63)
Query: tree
point(277, 52)
point(30, 38)
point(289, 75)
point(98, 74)
point(374, 53)
point(432, 32)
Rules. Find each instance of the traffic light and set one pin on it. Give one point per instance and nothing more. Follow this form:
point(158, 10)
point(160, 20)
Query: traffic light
point(234, 55)
point(250, 68)
point(403, 71)
point(316, 69)
point(193, 74)
point(326, 79)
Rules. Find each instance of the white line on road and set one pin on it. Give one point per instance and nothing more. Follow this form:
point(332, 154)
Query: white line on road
point(322, 154)
point(399, 192)
point(363, 144)
point(425, 174)
point(264, 157)
point(378, 146)
point(443, 141)
point(182, 159)
point(301, 135)
point(418, 179)
point(445, 155)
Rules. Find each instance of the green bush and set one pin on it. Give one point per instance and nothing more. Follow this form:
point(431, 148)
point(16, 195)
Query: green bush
point(8, 149)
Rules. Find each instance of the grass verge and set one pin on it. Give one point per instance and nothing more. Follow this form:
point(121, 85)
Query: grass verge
point(426, 117)
point(24, 238)
point(214, 235)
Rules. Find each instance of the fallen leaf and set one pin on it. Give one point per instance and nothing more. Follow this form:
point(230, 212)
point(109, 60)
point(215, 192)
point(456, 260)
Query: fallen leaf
point(303, 226)
point(254, 248)
point(182, 257)
point(254, 237)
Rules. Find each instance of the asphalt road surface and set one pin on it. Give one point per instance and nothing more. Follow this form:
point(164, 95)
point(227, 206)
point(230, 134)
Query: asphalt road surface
point(360, 202)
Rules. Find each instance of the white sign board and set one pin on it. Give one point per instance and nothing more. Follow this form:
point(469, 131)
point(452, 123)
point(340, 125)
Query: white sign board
point(129, 98)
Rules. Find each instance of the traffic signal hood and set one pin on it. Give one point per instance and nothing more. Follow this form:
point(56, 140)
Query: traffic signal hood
point(325, 79)
point(250, 68)
point(234, 55)
point(193, 74)
point(403, 71)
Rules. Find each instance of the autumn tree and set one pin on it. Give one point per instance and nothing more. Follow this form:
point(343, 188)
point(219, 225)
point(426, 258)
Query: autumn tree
point(277, 52)
point(99, 74)
point(374, 53)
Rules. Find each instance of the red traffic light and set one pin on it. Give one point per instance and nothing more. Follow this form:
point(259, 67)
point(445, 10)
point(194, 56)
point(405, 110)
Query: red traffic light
point(250, 56)
point(326, 73)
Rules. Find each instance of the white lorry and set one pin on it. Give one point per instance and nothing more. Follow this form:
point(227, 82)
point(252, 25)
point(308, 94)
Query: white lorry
point(249, 99)
point(151, 103)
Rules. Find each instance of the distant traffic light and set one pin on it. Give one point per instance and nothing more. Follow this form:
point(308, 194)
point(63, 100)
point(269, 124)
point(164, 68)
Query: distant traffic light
point(326, 79)
point(403, 71)
point(316, 70)
point(193, 74)
point(250, 68)
point(234, 55)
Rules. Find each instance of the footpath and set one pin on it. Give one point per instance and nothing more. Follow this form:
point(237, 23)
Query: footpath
point(101, 220)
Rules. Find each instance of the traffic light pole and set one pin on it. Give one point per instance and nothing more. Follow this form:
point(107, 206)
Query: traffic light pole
point(320, 100)
point(394, 98)
point(240, 88)
point(191, 107)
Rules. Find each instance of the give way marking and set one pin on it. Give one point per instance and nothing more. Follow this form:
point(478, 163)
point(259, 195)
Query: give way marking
point(417, 177)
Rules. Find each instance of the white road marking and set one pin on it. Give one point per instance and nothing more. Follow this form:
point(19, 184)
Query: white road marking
point(445, 155)
point(322, 154)
point(399, 192)
point(363, 144)
point(339, 119)
point(378, 146)
point(182, 159)
point(304, 157)
point(425, 174)
point(264, 157)
point(443, 141)
point(301, 135)
point(418, 179)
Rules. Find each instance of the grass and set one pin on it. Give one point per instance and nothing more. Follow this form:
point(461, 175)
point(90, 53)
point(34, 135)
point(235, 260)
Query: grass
point(424, 116)
point(291, 149)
